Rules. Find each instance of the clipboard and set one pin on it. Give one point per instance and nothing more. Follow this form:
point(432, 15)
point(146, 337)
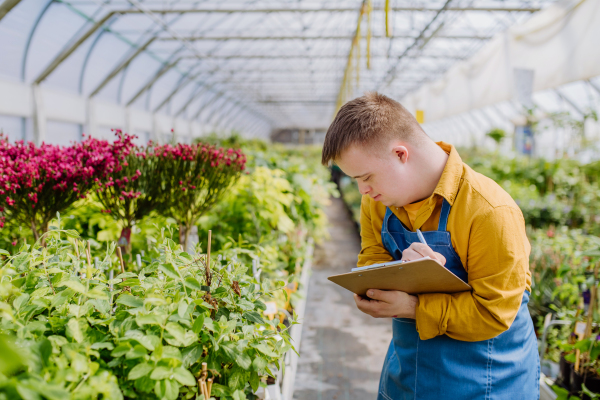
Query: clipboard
point(424, 275)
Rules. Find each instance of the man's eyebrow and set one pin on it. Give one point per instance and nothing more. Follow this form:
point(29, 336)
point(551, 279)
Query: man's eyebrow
point(360, 176)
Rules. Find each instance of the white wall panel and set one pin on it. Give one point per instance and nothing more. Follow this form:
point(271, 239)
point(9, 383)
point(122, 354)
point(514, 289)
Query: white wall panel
point(65, 107)
point(109, 114)
point(15, 99)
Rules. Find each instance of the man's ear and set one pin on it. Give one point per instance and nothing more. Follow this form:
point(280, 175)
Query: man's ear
point(401, 153)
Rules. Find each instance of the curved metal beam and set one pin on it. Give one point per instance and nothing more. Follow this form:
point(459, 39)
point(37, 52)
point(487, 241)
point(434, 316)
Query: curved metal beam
point(233, 121)
point(161, 71)
point(155, 33)
point(87, 57)
point(208, 119)
point(183, 82)
point(330, 10)
point(7, 6)
point(224, 113)
point(70, 48)
point(283, 38)
point(199, 91)
point(30, 38)
point(205, 104)
point(122, 66)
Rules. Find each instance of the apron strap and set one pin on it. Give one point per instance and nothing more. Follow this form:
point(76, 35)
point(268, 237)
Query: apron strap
point(386, 217)
point(444, 216)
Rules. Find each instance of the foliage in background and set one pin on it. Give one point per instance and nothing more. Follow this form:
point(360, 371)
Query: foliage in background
point(562, 192)
point(269, 215)
point(288, 187)
point(497, 135)
point(131, 193)
point(559, 268)
point(143, 334)
point(193, 178)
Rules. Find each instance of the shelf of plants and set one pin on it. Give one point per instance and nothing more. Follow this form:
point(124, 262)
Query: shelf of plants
point(560, 201)
point(99, 298)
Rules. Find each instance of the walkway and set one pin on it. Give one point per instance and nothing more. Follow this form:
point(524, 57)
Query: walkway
point(342, 349)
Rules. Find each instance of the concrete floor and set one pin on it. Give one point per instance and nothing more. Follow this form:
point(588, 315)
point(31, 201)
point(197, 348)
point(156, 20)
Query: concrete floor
point(342, 349)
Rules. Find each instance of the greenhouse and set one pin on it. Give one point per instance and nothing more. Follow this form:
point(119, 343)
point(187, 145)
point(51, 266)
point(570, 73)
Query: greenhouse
point(299, 200)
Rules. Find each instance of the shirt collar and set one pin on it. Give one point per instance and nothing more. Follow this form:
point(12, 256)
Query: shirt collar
point(449, 182)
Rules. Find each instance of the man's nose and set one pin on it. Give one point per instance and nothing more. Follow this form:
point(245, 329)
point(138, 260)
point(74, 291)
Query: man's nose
point(363, 189)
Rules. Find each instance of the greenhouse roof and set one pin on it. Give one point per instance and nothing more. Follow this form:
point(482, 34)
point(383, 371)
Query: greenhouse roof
point(255, 66)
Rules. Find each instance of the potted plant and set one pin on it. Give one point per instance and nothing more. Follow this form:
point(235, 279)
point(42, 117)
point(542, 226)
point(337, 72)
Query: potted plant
point(36, 182)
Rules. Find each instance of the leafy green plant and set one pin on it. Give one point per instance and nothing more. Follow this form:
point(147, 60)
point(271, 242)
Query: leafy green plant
point(36, 182)
point(132, 192)
point(193, 178)
point(143, 334)
point(497, 135)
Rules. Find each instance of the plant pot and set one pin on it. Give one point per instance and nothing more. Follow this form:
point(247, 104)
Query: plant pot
point(550, 369)
point(592, 382)
point(564, 375)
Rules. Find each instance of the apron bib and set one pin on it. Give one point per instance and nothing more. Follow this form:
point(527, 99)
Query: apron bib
point(502, 368)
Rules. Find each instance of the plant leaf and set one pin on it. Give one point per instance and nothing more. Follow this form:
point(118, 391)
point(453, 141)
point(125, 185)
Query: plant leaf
point(176, 330)
point(160, 373)
point(253, 316)
point(129, 300)
point(139, 370)
point(75, 285)
point(151, 319)
point(198, 323)
point(192, 283)
point(169, 270)
point(243, 360)
point(236, 379)
point(74, 330)
point(184, 376)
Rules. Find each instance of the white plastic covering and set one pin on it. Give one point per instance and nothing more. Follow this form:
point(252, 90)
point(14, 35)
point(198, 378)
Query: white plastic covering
point(560, 44)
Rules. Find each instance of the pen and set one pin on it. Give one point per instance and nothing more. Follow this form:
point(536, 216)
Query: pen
point(421, 238)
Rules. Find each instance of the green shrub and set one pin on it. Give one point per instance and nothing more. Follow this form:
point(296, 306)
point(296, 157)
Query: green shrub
point(143, 334)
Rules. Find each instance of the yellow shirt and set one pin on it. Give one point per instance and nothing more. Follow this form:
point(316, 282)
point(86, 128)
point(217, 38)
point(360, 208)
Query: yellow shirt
point(412, 209)
point(487, 231)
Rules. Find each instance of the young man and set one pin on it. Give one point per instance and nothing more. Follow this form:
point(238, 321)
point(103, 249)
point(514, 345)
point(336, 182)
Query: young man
point(471, 345)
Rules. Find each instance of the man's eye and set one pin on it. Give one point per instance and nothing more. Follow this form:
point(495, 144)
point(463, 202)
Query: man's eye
point(367, 178)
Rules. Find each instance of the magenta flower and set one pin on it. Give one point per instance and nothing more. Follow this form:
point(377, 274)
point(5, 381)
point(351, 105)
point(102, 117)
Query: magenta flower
point(40, 181)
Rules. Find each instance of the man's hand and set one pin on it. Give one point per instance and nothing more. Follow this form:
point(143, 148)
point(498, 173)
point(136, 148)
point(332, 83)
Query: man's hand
point(420, 250)
point(393, 303)
point(387, 304)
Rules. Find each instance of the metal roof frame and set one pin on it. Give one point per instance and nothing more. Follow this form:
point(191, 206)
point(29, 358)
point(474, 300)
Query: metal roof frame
point(237, 55)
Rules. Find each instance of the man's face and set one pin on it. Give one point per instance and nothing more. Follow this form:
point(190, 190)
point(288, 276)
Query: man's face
point(384, 174)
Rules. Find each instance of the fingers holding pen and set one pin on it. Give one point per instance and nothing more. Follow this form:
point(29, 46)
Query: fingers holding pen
point(419, 250)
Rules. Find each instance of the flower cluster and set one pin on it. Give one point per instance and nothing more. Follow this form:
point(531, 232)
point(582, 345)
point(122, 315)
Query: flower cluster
point(200, 152)
point(48, 178)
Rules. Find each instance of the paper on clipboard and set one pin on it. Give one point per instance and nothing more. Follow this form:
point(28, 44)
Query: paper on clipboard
point(414, 277)
point(385, 264)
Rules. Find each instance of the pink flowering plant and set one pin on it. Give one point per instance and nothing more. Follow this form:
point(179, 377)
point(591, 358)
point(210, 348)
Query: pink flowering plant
point(194, 178)
point(131, 193)
point(37, 182)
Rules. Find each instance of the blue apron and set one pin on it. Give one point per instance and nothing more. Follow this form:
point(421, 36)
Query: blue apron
point(502, 368)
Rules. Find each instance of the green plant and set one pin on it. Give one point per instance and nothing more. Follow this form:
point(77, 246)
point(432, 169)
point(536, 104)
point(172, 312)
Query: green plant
point(132, 192)
point(143, 334)
point(497, 135)
point(36, 182)
point(193, 178)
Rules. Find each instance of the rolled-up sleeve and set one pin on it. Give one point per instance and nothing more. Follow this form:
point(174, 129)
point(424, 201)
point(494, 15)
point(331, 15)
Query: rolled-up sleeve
point(497, 265)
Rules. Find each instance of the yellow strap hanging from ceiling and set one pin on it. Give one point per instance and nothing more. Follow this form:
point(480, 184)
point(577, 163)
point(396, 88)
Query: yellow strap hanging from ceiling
point(388, 18)
point(353, 65)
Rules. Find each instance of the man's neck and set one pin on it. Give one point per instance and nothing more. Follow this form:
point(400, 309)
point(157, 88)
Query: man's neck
point(430, 160)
